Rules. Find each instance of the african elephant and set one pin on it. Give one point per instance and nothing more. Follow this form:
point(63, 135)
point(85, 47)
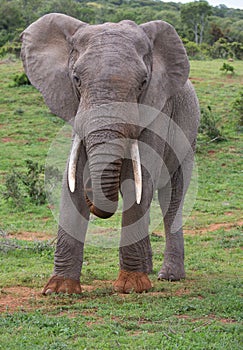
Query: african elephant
point(125, 90)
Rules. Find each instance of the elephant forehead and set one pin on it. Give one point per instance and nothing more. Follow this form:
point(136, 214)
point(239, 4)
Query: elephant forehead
point(125, 32)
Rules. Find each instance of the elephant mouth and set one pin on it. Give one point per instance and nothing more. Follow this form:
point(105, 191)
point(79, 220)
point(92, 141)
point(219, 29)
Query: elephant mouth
point(111, 195)
point(89, 198)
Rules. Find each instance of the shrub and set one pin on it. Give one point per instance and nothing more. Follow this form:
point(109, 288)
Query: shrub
point(34, 182)
point(12, 48)
point(208, 125)
point(21, 79)
point(12, 189)
point(28, 184)
point(192, 48)
point(226, 67)
point(238, 106)
point(206, 51)
point(237, 49)
point(221, 49)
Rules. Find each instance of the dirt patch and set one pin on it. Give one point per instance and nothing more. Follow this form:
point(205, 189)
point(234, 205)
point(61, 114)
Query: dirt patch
point(214, 227)
point(12, 140)
point(227, 226)
point(211, 228)
point(18, 298)
point(227, 320)
point(88, 288)
point(42, 139)
point(222, 320)
point(229, 213)
point(100, 230)
point(183, 317)
point(211, 151)
point(31, 236)
point(6, 139)
point(196, 79)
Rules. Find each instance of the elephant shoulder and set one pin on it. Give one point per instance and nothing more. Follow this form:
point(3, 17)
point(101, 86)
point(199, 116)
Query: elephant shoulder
point(186, 110)
point(186, 104)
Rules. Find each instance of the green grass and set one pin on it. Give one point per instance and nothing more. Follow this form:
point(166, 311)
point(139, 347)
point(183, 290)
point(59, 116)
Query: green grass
point(204, 311)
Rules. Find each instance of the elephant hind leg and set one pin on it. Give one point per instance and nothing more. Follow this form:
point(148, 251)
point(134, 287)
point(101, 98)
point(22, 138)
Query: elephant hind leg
point(171, 199)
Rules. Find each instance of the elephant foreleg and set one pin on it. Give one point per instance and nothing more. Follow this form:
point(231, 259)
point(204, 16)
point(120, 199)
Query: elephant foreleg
point(67, 266)
point(135, 250)
point(135, 255)
point(74, 215)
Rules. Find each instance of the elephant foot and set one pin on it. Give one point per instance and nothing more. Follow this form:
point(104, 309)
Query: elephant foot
point(130, 281)
point(59, 284)
point(172, 272)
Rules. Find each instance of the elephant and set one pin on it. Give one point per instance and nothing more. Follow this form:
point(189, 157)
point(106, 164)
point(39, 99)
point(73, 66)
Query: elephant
point(125, 90)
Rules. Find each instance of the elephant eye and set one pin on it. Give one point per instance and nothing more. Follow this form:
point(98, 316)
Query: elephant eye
point(143, 83)
point(77, 80)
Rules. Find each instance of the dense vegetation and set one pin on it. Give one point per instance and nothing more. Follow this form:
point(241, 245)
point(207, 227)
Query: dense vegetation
point(207, 31)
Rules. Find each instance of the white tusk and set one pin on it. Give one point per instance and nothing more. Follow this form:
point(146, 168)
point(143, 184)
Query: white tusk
point(137, 170)
point(73, 162)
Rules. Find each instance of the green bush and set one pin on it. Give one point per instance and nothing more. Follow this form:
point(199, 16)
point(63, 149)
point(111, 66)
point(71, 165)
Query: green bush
point(237, 49)
point(206, 51)
point(197, 52)
point(238, 106)
point(224, 49)
point(12, 189)
point(221, 49)
point(226, 67)
point(21, 79)
point(208, 125)
point(12, 48)
point(192, 49)
point(34, 182)
point(28, 184)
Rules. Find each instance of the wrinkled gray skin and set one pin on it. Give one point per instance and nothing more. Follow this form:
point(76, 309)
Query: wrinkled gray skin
point(80, 69)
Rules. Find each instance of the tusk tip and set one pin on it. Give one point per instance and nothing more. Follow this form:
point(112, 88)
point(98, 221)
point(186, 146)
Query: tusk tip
point(138, 200)
point(71, 185)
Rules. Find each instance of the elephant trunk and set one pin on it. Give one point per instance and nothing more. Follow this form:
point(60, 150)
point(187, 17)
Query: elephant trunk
point(105, 162)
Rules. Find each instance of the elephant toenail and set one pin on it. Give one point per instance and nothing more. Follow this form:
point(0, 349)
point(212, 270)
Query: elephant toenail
point(48, 292)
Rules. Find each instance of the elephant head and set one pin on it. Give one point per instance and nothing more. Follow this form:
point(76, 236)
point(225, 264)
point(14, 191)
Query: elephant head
point(88, 75)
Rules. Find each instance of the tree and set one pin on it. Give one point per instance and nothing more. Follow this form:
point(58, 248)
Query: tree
point(236, 31)
point(10, 21)
point(194, 15)
point(172, 17)
point(68, 7)
point(215, 32)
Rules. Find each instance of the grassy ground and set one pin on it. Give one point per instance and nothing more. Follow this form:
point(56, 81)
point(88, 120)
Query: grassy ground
point(202, 312)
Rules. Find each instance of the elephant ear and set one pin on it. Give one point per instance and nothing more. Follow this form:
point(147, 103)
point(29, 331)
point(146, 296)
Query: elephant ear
point(45, 53)
point(170, 68)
